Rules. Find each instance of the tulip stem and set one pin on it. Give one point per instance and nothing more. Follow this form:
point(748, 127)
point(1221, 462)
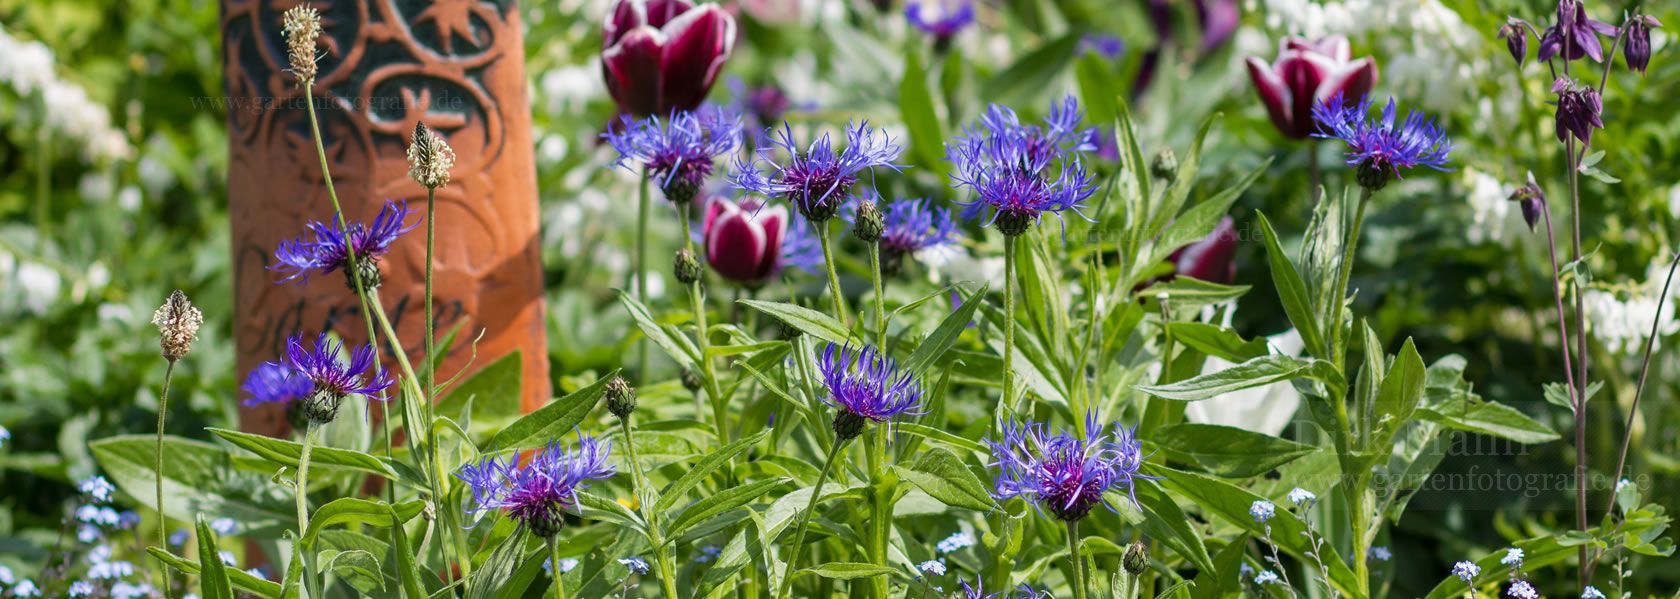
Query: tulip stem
point(833, 276)
point(805, 517)
point(641, 263)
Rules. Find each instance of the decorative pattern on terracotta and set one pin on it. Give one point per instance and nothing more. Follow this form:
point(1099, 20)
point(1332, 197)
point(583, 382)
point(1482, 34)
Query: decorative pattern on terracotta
point(459, 66)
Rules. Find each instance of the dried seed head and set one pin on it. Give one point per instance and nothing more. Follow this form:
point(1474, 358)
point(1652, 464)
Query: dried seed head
point(177, 321)
point(302, 26)
point(429, 158)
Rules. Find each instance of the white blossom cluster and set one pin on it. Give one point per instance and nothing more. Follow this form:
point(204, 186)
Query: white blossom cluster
point(1621, 320)
point(28, 68)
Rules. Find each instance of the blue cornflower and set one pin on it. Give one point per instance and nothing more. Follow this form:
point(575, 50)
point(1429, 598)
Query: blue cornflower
point(536, 492)
point(1466, 570)
point(678, 152)
point(909, 226)
point(330, 380)
point(1266, 577)
point(1521, 589)
point(1262, 510)
point(635, 564)
point(801, 248)
point(96, 487)
point(1513, 558)
point(1591, 592)
point(1018, 172)
point(941, 19)
point(1380, 149)
point(932, 566)
point(818, 179)
point(956, 542)
point(324, 250)
point(272, 382)
point(866, 386)
point(978, 591)
point(1064, 472)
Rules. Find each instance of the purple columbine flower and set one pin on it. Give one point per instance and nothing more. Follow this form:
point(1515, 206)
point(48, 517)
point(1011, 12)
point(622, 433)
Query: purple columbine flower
point(536, 493)
point(1636, 45)
point(1065, 473)
point(1574, 35)
point(866, 386)
point(1532, 199)
point(331, 379)
point(1018, 172)
point(1515, 34)
point(1380, 149)
point(942, 19)
point(678, 152)
point(1579, 110)
point(909, 226)
point(324, 249)
point(818, 179)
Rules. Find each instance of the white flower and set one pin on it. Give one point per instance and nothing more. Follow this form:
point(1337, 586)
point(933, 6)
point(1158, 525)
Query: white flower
point(1623, 324)
point(932, 566)
point(1300, 496)
point(1513, 558)
point(40, 285)
point(1494, 217)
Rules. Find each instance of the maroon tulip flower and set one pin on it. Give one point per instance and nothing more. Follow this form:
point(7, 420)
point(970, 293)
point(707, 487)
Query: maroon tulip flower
point(1307, 73)
point(661, 56)
point(743, 242)
point(1211, 259)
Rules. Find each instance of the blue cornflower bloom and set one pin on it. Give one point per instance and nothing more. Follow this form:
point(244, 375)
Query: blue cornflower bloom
point(331, 380)
point(1018, 172)
point(324, 249)
point(679, 152)
point(941, 19)
point(866, 386)
point(1466, 570)
point(1380, 149)
point(96, 487)
point(818, 179)
point(801, 248)
point(1521, 589)
point(909, 226)
point(536, 493)
point(635, 564)
point(272, 382)
point(1065, 473)
point(978, 591)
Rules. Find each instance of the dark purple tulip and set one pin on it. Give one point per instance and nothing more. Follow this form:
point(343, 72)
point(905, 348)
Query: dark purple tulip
point(1515, 34)
point(660, 56)
point(1574, 35)
point(1636, 47)
point(1211, 259)
point(1579, 108)
point(1305, 74)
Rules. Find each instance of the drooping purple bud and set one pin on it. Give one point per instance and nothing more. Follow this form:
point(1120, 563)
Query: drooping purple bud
point(1515, 34)
point(1636, 45)
point(1532, 200)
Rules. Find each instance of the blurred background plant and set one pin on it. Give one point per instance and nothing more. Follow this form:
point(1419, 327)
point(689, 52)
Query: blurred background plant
point(112, 170)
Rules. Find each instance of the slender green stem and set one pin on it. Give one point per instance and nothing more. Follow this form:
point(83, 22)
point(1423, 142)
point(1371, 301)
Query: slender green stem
point(163, 521)
point(644, 500)
point(431, 341)
point(833, 276)
point(1078, 582)
point(805, 517)
point(1009, 324)
point(554, 557)
point(880, 300)
point(1343, 272)
point(304, 551)
point(708, 375)
point(641, 262)
point(881, 501)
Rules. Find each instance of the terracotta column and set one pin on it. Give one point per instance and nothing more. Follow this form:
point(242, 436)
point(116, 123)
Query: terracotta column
point(385, 64)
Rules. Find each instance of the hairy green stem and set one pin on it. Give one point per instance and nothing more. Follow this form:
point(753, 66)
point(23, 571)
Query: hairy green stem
point(708, 375)
point(1078, 582)
point(641, 263)
point(833, 275)
point(805, 517)
point(1009, 324)
point(163, 521)
point(644, 501)
point(880, 300)
point(305, 553)
point(880, 499)
point(554, 556)
point(1343, 272)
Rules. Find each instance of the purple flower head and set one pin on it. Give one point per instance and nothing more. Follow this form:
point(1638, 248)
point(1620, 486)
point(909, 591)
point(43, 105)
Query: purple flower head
point(1579, 110)
point(1515, 34)
point(324, 249)
point(272, 382)
point(1574, 35)
point(801, 248)
point(1381, 148)
point(678, 152)
point(818, 179)
point(330, 379)
point(940, 18)
point(1107, 45)
point(1065, 473)
point(1636, 45)
point(1018, 172)
point(536, 492)
point(978, 591)
point(866, 386)
point(909, 226)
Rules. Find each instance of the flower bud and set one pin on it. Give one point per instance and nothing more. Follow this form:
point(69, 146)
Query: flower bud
point(545, 521)
point(177, 321)
point(1371, 176)
point(869, 225)
point(367, 271)
point(686, 267)
point(787, 332)
point(429, 158)
point(1533, 201)
point(690, 379)
point(660, 56)
point(1136, 559)
point(621, 397)
point(848, 425)
point(1165, 165)
point(1515, 34)
point(321, 406)
point(1636, 44)
point(1012, 223)
point(302, 27)
point(680, 191)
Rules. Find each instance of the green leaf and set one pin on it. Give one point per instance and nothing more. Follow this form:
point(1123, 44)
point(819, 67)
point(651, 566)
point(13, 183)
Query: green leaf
point(1030, 76)
point(1399, 395)
point(1173, 199)
point(1538, 553)
point(358, 568)
point(492, 578)
point(1199, 221)
point(675, 346)
point(1096, 90)
point(492, 394)
point(1228, 451)
point(1186, 293)
point(551, 421)
point(408, 572)
point(1164, 520)
point(946, 334)
point(1489, 418)
point(285, 453)
point(596, 507)
point(1292, 291)
point(1216, 341)
point(943, 437)
point(241, 580)
point(728, 499)
point(1263, 370)
point(943, 475)
point(806, 320)
point(362, 511)
point(198, 478)
point(704, 468)
point(847, 571)
point(915, 105)
point(213, 575)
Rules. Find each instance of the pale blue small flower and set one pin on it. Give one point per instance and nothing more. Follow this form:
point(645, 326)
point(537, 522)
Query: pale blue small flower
point(88, 533)
point(110, 570)
point(932, 566)
point(1262, 510)
point(1513, 558)
point(100, 516)
point(1522, 590)
point(1379, 554)
point(5, 436)
point(258, 573)
point(1467, 570)
point(128, 590)
point(1266, 577)
point(1300, 496)
point(1591, 592)
point(1622, 484)
point(26, 588)
point(223, 526)
point(1245, 570)
point(81, 588)
point(956, 542)
point(97, 487)
point(179, 537)
point(227, 558)
point(635, 564)
point(707, 554)
point(568, 564)
point(99, 554)
point(6, 576)
point(128, 519)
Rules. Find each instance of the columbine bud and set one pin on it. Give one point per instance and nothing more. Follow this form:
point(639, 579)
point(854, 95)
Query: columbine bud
point(686, 266)
point(690, 379)
point(302, 26)
point(1136, 559)
point(429, 158)
point(1532, 200)
point(1636, 44)
point(848, 425)
point(177, 321)
point(621, 397)
point(869, 225)
point(1515, 34)
point(1165, 165)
